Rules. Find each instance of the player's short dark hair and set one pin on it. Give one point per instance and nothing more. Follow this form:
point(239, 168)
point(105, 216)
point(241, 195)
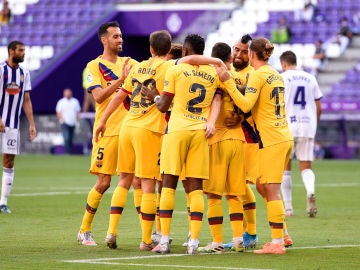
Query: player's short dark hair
point(221, 50)
point(104, 27)
point(12, 45)
point(245, 39)
point(160, 41)
point(288, 57)
point(176, 50)
point(196, 42)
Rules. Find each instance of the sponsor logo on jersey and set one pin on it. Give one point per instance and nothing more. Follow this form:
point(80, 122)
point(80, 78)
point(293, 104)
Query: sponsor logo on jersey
point(12, 88)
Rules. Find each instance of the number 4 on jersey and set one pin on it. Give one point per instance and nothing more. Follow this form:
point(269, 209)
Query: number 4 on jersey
point(299, 98)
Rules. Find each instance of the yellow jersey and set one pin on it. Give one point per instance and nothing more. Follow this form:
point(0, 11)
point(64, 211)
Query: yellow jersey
point(193, 88)
point(264, 96)
point(102, 73)
point(143, 113)
point(227, 107)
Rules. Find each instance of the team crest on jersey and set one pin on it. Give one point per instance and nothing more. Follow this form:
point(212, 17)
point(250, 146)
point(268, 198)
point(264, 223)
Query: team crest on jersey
point(107, 73)
point(89, 78)
point(12, 88)
point(22, 78)
point(99, 163)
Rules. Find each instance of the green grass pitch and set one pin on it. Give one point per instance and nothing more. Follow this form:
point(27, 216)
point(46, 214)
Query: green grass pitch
point(48, 200)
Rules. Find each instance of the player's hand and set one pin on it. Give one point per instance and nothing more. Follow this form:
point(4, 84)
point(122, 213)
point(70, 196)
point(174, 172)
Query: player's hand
point(209, 129)
point(125, 69)
point(33, 133)
point(2, 126)
point(149, 92)
point(233, 120)
point(100, 130)
point(224, 75)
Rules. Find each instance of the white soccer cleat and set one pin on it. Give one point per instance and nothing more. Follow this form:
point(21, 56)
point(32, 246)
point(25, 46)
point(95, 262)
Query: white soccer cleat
point(86, 239)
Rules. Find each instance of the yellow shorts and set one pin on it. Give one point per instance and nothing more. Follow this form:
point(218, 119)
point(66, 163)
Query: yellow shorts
point(139, 151)
point(104, 155)
point(227, 171)
point(187, 148)
point(273, 161)
point(251, 162)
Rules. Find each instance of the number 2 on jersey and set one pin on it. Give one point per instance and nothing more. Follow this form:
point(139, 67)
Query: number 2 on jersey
point(195, 87)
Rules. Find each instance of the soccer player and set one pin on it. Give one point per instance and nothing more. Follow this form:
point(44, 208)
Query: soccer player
point(240, 70)
point(140, 137)
point(303, 109)
point(174, 54)
point(104, 76)
point(185, 142)
point(264, 96)
point(15, 94)
point(227, 172)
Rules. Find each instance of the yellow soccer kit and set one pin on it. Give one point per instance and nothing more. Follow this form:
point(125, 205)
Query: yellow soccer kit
point(193, 88)
point(251, 146)
point(102, 73)
point(226, 152)
point(144, 124)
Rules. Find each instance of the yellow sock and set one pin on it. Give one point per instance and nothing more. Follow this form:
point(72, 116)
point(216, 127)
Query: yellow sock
point(148, 211)
point(92, 203)
point(157, 218)
point(215, 219)
point(196, 212)
point(137, 201)
point(167, 202)
point(249, 205)
point(118, 202)
point(188, 209)
point(236, 216)
point(276, 217)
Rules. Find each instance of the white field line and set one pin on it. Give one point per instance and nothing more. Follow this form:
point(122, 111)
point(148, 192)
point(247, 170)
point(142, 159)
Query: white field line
point(110, 261)
point(85, 191)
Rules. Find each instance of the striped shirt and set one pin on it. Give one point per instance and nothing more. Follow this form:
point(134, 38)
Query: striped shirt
point(13, 82)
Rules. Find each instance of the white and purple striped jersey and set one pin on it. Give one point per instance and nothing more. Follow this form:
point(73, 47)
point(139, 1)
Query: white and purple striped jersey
point(301, 91)
point(13, 82)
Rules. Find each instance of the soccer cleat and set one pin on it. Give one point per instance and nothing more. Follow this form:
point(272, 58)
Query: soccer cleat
point(192, 249)
point(155, 237)
point(249, 240)
point(146, 247)
point(288, 241)
point(110, 241)
point(228, 245)
point(4, 209)
point(86, 239)
point(212, 248)
point(289, 212)
point(311, 206)
point(162, 248)
point(271, 248)
point(238, 246)
point(185, 244)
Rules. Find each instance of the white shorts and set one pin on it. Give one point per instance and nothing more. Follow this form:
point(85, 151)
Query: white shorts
point(303, 149)
point(10, 141)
